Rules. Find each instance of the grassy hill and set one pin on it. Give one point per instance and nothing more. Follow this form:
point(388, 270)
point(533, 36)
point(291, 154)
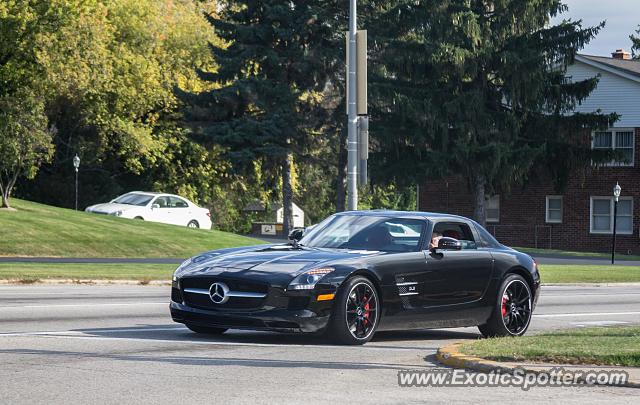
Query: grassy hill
point(41, 230)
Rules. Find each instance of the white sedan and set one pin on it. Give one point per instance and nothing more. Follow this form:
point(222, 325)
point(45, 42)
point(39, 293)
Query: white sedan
point(156, 207)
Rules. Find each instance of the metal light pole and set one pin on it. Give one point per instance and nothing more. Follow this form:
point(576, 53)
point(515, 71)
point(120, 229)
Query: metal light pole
point(76, 164)
point(352, 139)
point(616, 196)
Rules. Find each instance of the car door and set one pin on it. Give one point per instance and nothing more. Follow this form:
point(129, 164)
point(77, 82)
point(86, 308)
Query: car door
point(456, 276)
point(160, 210)
point(180, 213)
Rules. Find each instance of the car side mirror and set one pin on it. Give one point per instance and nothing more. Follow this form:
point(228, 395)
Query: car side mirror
point(154, 206)
point(296, 234)
point(446, 243)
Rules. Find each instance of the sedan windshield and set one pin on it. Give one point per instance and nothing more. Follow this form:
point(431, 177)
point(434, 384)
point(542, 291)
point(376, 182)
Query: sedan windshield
point(365, 232)
point(134, 199)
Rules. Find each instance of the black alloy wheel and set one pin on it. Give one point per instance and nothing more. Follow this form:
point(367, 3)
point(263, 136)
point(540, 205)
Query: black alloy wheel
point(512, 313)
point(356, 312)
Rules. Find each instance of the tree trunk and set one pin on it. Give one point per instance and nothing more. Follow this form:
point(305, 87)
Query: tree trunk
point(478, 183)
point(341, 190)
point(5, 193)
point(5, 200)
point(287, 195)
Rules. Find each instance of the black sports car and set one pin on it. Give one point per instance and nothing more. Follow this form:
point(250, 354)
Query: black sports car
point(359, 272)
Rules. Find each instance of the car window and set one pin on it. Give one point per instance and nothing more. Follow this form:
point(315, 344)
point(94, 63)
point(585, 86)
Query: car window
point(176, 202)
point(456, 230)
point(486, 238)
point(163, 202)
point(133, 199)
point(371, 233)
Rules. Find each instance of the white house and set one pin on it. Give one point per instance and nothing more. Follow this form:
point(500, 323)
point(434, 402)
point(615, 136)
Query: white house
point(298, 216)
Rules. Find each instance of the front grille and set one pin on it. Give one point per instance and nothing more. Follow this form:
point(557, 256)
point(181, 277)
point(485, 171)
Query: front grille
point(203, 301)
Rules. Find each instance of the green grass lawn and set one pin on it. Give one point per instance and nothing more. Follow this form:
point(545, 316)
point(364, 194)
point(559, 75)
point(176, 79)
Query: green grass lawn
point(41, 230)
point(31, 272)
point(38, 271)
point(560, 273)
point(602, 346)
point(569, 254)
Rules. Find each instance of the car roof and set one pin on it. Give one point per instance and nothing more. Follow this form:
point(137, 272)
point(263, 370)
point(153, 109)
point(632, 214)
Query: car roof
point(405, 214)
point(153, 193)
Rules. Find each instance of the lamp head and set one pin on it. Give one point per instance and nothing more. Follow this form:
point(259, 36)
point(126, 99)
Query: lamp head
point(616, 191)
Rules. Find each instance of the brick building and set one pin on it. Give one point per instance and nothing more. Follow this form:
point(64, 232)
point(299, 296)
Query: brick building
point(582, 217)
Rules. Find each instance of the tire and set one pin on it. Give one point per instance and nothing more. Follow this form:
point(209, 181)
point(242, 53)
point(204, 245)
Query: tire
point(206, 330)
point(511, 314)
point(356, 312)
point(193, 224)
point(139, 218)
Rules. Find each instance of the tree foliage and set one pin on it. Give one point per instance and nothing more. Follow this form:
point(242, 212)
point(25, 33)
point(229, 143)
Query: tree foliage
point(111, 69)
point(277, 56)
point(477, 88)
point(635, 48)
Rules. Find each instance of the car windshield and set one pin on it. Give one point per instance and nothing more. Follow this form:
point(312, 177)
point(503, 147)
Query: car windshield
point(366, 232)
point(134, 199)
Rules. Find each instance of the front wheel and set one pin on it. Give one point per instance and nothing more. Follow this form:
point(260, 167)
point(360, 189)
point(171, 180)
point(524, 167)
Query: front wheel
point(512, 313)
point(206, 330)
point(193, 224)
point(356, 312)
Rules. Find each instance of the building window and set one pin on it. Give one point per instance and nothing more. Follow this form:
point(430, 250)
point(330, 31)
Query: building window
point(554, 209)
point(492, 209)
point(602, 215)
point(622, 140)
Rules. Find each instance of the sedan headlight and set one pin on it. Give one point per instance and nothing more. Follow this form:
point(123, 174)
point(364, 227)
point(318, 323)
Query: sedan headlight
point(117, 213)
point(309, 279)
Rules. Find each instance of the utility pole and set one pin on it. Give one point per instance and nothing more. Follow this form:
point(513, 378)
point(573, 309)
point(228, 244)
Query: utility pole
point(358, 122)
point(352, 111)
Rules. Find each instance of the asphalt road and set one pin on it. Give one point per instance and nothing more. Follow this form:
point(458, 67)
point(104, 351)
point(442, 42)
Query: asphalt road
point(116, 344)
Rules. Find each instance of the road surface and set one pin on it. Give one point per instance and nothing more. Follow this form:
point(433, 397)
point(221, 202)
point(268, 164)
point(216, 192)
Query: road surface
point(78, 344)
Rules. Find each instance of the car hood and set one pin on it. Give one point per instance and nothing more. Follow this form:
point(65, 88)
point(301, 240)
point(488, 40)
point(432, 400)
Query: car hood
point(109, 208)
point(271, 263)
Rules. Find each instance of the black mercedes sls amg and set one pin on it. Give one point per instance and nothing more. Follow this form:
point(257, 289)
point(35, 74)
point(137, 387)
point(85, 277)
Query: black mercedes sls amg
point(359, 272)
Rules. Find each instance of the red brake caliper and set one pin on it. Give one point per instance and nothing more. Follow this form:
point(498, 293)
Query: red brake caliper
point(366, 310)
point(504, 305)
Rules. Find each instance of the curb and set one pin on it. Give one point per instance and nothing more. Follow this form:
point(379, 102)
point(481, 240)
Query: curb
point(64, 281)
point(451, 356)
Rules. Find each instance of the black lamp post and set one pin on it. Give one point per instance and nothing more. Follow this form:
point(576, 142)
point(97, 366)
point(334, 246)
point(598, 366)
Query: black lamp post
point(76, 164)
point(616, 196)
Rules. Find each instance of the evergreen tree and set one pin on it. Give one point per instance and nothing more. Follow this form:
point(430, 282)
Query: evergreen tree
point(477, 88)
point(635, 48)
point(278, 59)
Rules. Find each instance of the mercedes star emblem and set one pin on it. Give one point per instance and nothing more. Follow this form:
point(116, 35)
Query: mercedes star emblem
point(218, 292)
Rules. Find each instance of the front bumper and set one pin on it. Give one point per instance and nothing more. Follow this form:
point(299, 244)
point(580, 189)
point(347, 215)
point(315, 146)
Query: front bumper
point(277, 319)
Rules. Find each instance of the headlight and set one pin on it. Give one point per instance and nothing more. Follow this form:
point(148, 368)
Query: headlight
point(117, 213)
point(309, 279)
point(176, 274)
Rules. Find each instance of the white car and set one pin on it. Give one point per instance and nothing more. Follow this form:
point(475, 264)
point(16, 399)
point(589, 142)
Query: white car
point(156, 207)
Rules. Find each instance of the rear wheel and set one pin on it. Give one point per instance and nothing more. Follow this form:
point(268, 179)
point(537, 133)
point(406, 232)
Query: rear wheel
point(139, 218)
point(512, 313)
point(193, 224)
point(356, 312)
point(206, 329)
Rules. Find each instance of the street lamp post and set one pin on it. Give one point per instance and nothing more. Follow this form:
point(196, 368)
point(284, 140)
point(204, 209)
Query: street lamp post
point(76, 164)
point(616, 196)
